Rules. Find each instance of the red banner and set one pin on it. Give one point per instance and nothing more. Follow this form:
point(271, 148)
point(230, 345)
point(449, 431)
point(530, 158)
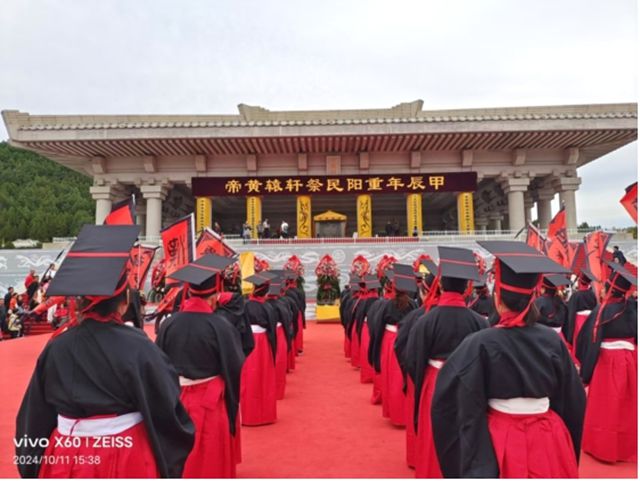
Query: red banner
point(122, 213)
point(140, 259)
point(630, 201)
point(578, 256)
point(557, 240)
point(535, 239)
point(177, 240)
point(596, 245)
point(211, 243)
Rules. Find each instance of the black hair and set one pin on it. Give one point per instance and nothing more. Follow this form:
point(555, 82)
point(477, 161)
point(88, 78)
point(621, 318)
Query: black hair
point(518, 303)
point(108, 306)
point(451, 284)
point(261, 290)
point(401, 300)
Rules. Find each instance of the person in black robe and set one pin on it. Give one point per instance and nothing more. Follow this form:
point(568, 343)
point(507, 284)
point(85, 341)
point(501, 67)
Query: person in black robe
point(206, 350)
point(96, 374)
point(508, 402)
point(607, 350)
point(348, 301)
point(384, 329)
point(482, 302)
point(231, 305)
point(433, 337)
point(550, 306)
point(284, 331)
point(581, 303)
point(367, 295)
point(259, 396)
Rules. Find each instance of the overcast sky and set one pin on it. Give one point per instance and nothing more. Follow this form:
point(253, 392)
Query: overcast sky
point(157, 56)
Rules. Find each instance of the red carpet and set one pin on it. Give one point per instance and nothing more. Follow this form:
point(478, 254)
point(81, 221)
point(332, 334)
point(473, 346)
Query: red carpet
point(326, 426)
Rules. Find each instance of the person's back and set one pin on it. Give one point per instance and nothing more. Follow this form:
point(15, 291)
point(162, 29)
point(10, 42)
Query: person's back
point(619, 256)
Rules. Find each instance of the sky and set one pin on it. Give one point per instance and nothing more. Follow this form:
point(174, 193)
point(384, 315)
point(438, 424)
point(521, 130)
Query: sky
point(199, 57)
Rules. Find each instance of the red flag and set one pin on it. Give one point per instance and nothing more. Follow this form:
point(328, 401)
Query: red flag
point(630, 201)
point(122, 213)
point(596, 248)
point(139, 263)
point(535, 239)
point(578, 256)
point(177, 240)
point(211, 243)
point(558, 242)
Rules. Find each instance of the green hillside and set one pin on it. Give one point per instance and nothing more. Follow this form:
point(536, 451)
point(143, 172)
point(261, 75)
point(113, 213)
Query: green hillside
point(40, 199)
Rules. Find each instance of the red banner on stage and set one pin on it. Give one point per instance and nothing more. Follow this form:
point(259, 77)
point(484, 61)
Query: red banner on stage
point(122, 213)
point(140, 259)
point(177, 240)
point(557, 239)
point(211, 243)
point(630, 201)
point(334, 184)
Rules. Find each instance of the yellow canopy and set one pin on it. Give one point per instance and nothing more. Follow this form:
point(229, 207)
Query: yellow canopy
point(329, 216)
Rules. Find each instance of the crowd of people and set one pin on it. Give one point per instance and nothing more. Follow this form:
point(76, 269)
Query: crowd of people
point(487, 369)
point(172, 407)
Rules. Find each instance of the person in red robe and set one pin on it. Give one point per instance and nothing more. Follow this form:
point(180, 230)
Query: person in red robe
point(608, 353)
point(206, 350)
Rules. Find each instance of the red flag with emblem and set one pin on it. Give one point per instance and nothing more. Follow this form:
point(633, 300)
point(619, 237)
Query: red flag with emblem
point(140, 259)
point(122, 213)
point(177, 241)
point(535, 239)
point(596, 247)
point(211, 243)
point(557, 239)
point(630, 201)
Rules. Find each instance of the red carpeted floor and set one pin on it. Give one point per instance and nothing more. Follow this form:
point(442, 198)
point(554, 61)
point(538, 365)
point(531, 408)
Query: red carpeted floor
point(326, 426)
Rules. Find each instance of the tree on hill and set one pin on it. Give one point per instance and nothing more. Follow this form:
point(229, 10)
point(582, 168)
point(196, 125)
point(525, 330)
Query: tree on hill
point(40, 199)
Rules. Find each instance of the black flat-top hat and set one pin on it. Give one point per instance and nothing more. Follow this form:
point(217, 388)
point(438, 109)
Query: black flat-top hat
point(520, 265)
point(404, 278)
point(428, 266)
point(482, 282)
point(458, 263)
point(371, 282)
point(621, 278)
point(204, 274)
point(555, 280)
point(260, 278)
point(354, 282)
point(286, 274)
point(587, 275)
point(96, 262)
point(276, 285)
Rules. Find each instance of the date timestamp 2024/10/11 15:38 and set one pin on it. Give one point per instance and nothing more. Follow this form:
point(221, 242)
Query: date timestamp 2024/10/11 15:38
point(57, 459)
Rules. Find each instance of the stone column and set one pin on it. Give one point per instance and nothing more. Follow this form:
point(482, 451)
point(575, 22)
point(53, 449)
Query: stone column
point(528, 205)
point(154, 195)
point(543, 202)
point(103, 195)
point(515, 187)
point(567, 186)
point(481, 224)
point(495, 221)
point(141, 216)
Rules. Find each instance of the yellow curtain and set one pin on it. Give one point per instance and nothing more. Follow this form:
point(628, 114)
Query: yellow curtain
point(303, 207)
point(414, 213)
point(254, 214)
point(466, 222)
point(365, 217)
point(203, 213)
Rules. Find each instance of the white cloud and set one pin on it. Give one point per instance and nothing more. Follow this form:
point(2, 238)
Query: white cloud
point(161, 56)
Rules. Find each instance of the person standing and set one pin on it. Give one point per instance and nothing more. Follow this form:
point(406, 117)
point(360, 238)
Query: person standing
point(115, 384)
point(206, 350)
point(580, 305)
point(284, 229)
point(432, 339)
point(618, 256)
point(607, 350)
point(266, 229)
point(508, 402)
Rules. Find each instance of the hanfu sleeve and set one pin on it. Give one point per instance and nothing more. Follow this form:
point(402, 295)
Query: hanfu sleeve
point(156, 391)
point(36, 421)
point(459, 416)
point(569, 401)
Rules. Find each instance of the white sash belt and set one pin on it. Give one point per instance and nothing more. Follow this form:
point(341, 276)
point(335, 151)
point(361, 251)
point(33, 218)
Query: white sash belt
point(437, 363)
point(557, 329)
point(521, 405)
point(185, 381)
point(391, 327)
point(257, 329)
point(617, 345)
point(584, 313)
point(99, 426)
